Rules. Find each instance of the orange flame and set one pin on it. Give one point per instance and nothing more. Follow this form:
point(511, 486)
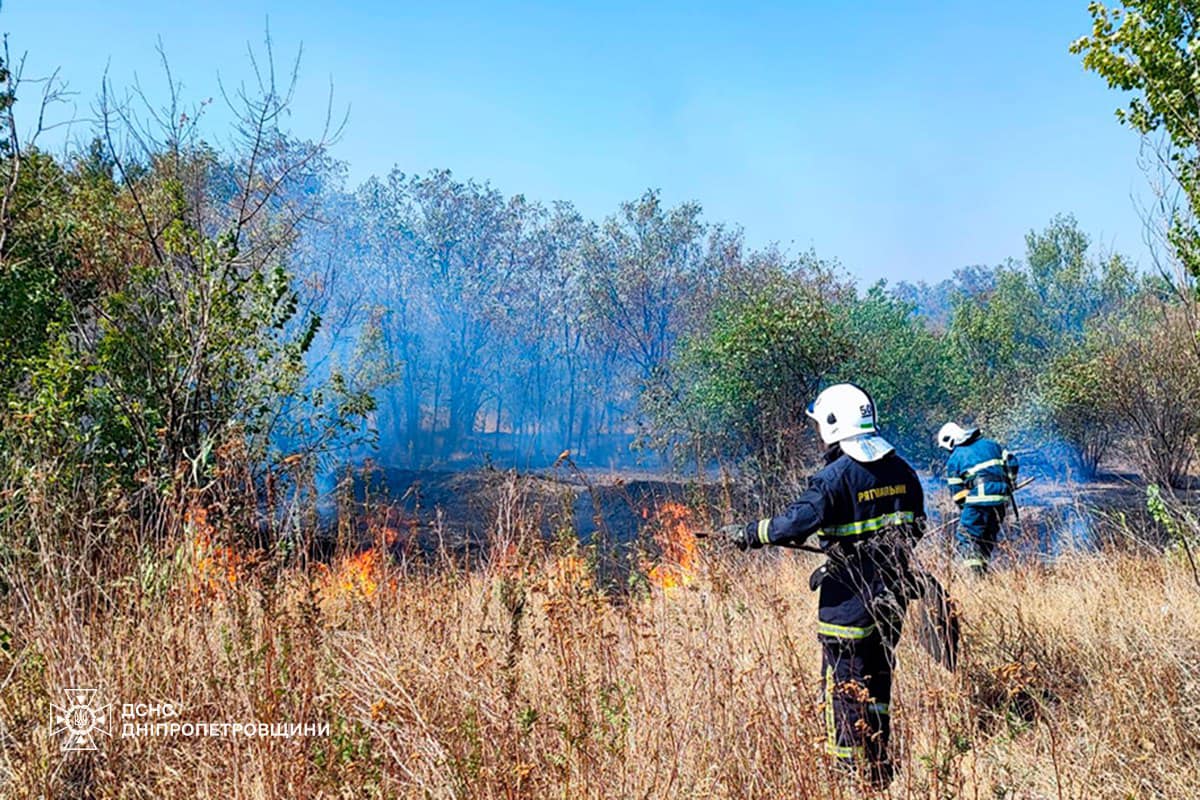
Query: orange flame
point(677, 566)
point(357, 576)
point(360, 576)
point(216, 567)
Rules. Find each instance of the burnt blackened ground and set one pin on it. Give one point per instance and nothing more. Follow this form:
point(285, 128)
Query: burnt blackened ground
point(1058, 513)
point(434, 513)
point(428, 514)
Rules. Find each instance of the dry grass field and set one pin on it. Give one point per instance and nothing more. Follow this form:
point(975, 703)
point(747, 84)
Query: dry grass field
point(521, 678)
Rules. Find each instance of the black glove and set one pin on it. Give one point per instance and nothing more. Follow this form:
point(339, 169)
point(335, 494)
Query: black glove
point(819, 574)
point(734, 534)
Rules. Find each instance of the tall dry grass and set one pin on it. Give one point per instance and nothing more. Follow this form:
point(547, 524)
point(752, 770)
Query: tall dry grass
point(521, 678)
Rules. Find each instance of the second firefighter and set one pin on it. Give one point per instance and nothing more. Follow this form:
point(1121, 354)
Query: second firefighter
point(981, 474)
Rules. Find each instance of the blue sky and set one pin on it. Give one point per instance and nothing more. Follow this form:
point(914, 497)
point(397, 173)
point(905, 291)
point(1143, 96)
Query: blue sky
point(903, 139)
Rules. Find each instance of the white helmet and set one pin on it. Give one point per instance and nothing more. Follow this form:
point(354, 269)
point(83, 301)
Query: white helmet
point(842, 411)
point(846, 414)
point(952, 434)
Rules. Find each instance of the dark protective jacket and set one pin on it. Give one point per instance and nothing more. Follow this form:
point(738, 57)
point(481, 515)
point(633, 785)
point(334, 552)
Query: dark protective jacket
point(980, 472)
point(866, 516)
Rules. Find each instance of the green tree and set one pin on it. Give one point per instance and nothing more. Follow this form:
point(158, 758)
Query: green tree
point(644, 264)
point(1078, 403)
point(738, 387)
point(1149, 382)
point(38, 263)
point(157, 315)
point(903, 363)
point(1149, 48)
point(1004, 340)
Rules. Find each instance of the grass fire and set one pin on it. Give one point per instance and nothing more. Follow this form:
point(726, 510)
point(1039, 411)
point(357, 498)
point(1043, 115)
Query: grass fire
point(674, 528)
point(329, 472)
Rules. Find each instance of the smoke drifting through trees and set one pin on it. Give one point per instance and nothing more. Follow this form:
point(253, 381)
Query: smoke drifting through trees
point(468, 325)
point(492, 327)
point(499, 326)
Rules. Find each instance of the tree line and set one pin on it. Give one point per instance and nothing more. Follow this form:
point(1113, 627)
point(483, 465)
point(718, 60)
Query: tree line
point(167, 304)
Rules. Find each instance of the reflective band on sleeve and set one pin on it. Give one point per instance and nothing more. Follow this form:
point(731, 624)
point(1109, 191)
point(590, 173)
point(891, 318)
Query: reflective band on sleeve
point(869, 525)
point(960, 495)
point(954, 481)
point(982, 465)
point(844, 631)
point(764, 527)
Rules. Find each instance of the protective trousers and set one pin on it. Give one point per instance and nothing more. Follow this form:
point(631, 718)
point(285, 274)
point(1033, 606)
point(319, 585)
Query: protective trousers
point(978, 531)
point(857, 668)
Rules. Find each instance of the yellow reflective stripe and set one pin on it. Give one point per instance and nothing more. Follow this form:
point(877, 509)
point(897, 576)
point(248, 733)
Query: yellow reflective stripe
point(960, 495)
point(844, 631)
point(830, 726)
point(873, 524)
point(995, 462)
point(837, 751)
point(981, 497)
point(764, 527)
point(974, 562)
point(978, 499)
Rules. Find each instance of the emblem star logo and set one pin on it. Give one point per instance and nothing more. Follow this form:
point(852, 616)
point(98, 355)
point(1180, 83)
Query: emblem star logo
point(79, 719)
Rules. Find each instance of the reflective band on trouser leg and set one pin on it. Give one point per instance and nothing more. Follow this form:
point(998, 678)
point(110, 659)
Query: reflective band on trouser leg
point(844, 631)
point(871, 525)
point(837, 751)
point(764, 528)
point(831, 728)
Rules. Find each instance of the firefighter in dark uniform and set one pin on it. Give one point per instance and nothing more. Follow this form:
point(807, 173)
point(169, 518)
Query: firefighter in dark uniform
point(867, 508)
point(980, 474)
